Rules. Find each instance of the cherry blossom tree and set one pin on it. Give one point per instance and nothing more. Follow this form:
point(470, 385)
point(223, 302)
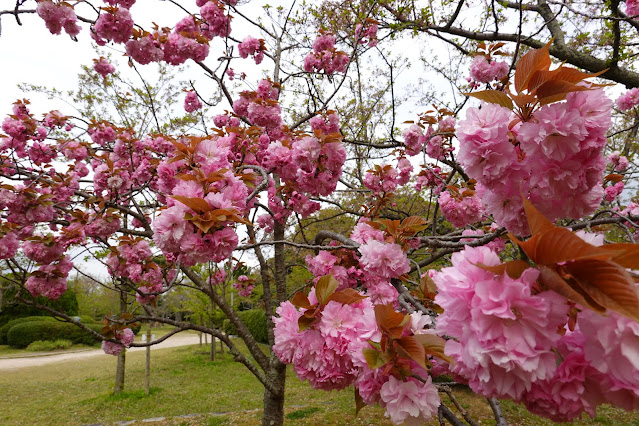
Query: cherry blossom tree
point(487, 284)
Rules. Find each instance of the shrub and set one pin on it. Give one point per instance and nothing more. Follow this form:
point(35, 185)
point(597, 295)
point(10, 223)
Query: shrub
point(22, 335)
point(255, 320)
point(218, 318)
point(48, 345)
point(5, 328)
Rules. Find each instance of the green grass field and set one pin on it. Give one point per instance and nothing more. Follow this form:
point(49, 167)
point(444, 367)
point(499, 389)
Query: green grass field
point(187, 389)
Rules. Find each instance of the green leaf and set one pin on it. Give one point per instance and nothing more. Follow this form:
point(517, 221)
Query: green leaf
point(374, 358)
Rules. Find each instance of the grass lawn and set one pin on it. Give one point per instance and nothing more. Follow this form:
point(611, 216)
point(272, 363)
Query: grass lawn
point(183, 383)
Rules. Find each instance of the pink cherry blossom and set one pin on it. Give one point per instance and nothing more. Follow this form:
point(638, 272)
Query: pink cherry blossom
point(103, 67)
point(191, 102)
point(505, 333)
point(460, 211)
point(409, 401)
point(383, 259)
point(58, 16)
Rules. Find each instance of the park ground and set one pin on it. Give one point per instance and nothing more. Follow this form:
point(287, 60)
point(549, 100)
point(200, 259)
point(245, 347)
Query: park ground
point(189, 389)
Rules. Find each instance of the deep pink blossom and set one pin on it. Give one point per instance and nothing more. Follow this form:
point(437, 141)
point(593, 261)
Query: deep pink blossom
point(253, 47)
point(115, 25)
point(58, 16)
point(191, 102)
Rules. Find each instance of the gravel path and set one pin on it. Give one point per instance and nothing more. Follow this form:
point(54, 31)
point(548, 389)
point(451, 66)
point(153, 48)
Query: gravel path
point(181, 339)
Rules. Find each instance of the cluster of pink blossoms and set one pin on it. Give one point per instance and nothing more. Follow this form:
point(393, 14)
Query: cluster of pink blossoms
point(103, 67)
point(58, 16)
point(369, 34)
point(133, 261)
point(460, 210)
point(628, 100)
point(611, 192)
point(180, 238)
point(251, 46)
point(436, 148)
point(325, 57)
point(510, 342)
point(261, 108)
point(311, 164)
point(192, 102)
point(244, 286)
point(322, 354)
point(380, 261)
point(329, 355)
point(386, 179)
point(555, 155)
point(114, 24)
point(50, 280)
point(619, 162)
point(632, 7)
point(188, 40)
point(504, 333)
point(430, 177)
point(125, 338)
point(483, 71)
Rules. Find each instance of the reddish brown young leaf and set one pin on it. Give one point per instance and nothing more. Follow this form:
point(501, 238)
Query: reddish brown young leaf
point(537, 222)
point(433, 345)
point(324, 288)
point(409, 347)
point(514, 268)
point(608, 284)
point(523, 100)
point(551, 280)
point(305, 322)
point(556, 90)
point(198, 205)
point(534, 60)
point(624, 254)
point(389, 321)
point(493, 97)
point(414, 224)
point(561, 245)
point(300, 300)
point(346, 296)
point(613, 177)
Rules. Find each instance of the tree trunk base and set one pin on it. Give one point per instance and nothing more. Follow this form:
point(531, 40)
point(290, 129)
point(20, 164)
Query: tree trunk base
point(274, 403)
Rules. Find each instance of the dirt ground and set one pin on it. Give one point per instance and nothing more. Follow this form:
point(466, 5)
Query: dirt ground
point(182, 339)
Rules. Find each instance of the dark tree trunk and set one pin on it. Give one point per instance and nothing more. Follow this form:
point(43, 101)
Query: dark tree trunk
point(274, 403)
point(119, 371)
point(212, 348)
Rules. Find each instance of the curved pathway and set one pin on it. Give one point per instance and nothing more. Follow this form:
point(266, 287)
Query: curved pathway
point(181, 339)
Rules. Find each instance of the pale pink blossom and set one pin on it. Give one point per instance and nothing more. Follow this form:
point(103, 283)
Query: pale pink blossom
point(383, 259)
point(505, 333)
point(409, 401)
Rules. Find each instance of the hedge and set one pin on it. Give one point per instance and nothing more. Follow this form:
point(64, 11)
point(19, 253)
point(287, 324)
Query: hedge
point(255, 320)
point(5, 328)
point(22, 335)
